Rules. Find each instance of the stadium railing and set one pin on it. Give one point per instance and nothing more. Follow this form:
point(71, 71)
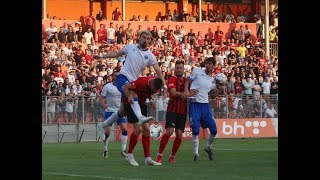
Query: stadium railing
point(87, 110)
point(274, 49)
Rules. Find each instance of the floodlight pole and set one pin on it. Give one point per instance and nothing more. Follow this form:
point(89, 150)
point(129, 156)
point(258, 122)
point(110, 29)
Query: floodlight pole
point(266, 28)
point(123, 10)
point(200, 10)
point(44, 9)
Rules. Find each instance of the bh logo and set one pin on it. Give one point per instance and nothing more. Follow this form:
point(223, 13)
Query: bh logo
point(156, 131)
point(235, 128)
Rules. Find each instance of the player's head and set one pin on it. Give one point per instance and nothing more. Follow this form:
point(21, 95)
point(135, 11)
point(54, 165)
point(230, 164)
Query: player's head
point(209, 63)
point(156, 84)
point(144, 38)
point(115, 73)
point(179, 68)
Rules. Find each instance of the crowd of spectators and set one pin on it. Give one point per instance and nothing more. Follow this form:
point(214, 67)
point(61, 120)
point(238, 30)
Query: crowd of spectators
point(70, 70)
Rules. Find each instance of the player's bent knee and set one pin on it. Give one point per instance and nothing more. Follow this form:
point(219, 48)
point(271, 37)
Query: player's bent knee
point(145, 127)
point(195, 132)
point(146, 133)
point(137, 130)
point(179, 134)
point(123, 126)
point(213, 130)
point(169, 131)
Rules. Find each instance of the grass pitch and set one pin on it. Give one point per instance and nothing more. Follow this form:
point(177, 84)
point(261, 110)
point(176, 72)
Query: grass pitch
point(235, 159)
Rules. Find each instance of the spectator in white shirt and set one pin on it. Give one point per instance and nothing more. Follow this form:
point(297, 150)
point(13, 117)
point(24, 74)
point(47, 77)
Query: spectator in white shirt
point(271, 112)
point(111, 34)
point(266, 85)
point(88, 36)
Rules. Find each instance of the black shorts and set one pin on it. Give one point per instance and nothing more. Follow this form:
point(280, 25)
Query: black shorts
point(131, 117)
point(176, 121)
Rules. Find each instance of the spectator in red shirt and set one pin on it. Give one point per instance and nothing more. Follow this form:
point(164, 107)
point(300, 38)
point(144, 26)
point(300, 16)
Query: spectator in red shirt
point(102, 36)
point(89, 22)
point(217, 69)
point(218, 35)
point(59, 72)
point(116, 15)
point(238, 86)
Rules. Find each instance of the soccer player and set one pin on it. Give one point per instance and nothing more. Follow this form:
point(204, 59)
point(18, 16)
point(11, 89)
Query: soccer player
point(199, 108)
point(110, 98)
point(138, 57)
point(176, 111)
point(142, 88)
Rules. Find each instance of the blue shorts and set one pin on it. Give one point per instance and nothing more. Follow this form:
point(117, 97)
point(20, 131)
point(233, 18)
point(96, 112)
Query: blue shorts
point(108, 114)
point(201, 114)
point(121, 80)
point(110, 41)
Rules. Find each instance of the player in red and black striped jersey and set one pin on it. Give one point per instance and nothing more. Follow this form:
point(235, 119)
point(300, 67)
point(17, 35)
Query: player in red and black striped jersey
point(176, 111)
point(140, 90)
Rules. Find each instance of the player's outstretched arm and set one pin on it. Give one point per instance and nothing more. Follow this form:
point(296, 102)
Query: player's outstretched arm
point(159, 73)
point(187, 92)
point(103, 102)
point(111, 54)
point(218, 91)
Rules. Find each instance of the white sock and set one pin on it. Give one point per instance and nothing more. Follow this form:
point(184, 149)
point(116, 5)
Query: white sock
point(136, 109)
point(105, 145)
point(124, 140)
point(195, 142)
point(210, 140)
point(113, 118)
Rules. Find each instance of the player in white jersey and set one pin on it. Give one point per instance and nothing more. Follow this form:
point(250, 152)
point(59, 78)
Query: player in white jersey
point(200, 112)
point(138, 57)
point(110, 99)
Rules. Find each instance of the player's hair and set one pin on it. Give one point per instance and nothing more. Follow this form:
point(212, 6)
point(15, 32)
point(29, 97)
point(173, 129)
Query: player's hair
point(179, 62)
point(145, 32)
point(158, 83)
point(211, 60)
point(115, 70)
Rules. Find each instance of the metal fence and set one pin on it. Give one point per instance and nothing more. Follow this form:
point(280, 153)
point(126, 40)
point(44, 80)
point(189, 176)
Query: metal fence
point(274, 49)
point(82, 110)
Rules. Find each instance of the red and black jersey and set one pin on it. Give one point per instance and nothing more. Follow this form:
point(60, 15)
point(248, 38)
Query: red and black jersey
point(177, 104)
point(142, 87)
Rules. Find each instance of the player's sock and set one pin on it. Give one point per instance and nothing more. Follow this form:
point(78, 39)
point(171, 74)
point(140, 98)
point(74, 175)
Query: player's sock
point(175, 146)
point(136, 108)
point(124, 139)
point(146, 146)
point(210, 140)
point(132, 143)
point(163, 143)
point(195, 142)
point(113, 118)
point(106, 142)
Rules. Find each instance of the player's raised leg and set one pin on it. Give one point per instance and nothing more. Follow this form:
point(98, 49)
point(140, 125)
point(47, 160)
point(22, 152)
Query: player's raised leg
point(137, 110)
point(114, 117)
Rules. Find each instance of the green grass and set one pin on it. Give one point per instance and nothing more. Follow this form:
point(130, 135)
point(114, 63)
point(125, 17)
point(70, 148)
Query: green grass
point(238, 159)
